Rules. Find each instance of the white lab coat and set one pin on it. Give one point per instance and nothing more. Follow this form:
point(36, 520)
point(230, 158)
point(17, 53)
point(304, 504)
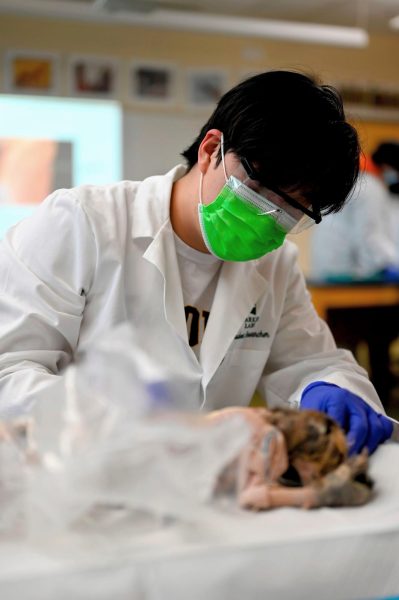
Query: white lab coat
point(92, 257)
point(358, 241)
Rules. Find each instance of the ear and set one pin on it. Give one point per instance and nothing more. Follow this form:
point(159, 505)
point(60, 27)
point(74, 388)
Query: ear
point(208, 149)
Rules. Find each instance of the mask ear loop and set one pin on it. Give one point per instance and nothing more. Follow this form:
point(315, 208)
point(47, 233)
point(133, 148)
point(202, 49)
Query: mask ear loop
point(222, 152)
point(200, 187)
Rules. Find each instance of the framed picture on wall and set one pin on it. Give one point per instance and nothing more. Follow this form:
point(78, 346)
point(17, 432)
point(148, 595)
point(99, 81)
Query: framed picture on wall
point(93, 76)
point(204, 87)
point(153, 83)
point(31, 72)
point(369, 94)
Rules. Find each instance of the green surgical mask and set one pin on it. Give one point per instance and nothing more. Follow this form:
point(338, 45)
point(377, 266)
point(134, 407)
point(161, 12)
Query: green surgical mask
point(241, 225)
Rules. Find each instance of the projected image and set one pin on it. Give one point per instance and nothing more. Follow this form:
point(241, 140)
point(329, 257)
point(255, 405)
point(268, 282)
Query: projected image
point(51, 143)
point(31, 169)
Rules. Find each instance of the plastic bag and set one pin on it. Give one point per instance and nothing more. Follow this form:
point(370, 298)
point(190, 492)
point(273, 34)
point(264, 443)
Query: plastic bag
point(124, 447)
point(16, 452)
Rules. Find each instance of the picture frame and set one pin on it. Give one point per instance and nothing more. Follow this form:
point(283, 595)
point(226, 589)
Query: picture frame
point(205, 86)
point(153, 82)
point(377, 96)
point(93, 76)
point(31, 72)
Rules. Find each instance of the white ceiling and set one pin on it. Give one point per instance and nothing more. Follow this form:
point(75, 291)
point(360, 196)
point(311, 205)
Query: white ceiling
point(374, 15)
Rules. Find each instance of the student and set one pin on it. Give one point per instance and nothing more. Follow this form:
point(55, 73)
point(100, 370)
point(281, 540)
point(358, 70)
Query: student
point(197, 261)
point(360, 242)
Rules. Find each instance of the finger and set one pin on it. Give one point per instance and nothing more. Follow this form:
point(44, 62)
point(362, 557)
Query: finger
point(358, 428)
point(337, 410)
point(387, 426)
point(375, 433)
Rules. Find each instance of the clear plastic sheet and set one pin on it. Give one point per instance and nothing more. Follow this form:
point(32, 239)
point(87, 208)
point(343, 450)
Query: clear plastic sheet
point(13, 484)
point(122, 449)
point(166, 468)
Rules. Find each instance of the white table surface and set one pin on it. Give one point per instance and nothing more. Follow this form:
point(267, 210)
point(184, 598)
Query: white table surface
point(350, 553)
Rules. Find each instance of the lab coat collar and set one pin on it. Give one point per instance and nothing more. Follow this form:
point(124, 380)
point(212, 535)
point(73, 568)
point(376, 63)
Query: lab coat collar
point(162, 254)
point(239, 287)
point(151, 219)
point(151, 206)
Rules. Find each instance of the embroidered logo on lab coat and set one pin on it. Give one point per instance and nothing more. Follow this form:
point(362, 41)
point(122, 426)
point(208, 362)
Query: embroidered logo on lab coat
point(249, 330)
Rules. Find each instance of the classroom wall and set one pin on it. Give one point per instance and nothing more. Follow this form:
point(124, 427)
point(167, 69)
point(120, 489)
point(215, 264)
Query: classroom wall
point(375, 63)
point(155, 135)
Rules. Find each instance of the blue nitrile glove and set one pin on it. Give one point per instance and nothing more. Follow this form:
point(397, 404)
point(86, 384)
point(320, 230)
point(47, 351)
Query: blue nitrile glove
point(364, 426)
point(390, 274)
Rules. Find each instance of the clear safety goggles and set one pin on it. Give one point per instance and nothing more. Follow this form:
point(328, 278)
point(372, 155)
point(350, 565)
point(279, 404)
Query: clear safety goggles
point(290, 213)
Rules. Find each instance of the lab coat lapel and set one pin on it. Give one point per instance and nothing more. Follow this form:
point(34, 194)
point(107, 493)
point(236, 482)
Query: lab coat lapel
point(162, 254)
point(239, 287)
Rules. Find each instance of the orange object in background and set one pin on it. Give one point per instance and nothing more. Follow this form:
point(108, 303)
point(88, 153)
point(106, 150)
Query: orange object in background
point(32, 73)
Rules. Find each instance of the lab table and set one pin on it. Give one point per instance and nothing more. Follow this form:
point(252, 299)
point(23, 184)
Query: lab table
point(362, 294)
point(329, 554)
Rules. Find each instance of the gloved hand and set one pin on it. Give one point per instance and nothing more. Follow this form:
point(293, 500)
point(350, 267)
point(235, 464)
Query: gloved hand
point(364, 426)
point(390, 274)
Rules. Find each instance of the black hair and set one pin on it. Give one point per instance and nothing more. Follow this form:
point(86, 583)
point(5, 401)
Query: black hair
point(293, 131)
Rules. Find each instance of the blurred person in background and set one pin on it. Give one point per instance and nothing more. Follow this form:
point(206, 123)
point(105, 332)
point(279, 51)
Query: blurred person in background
point(362, 241)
